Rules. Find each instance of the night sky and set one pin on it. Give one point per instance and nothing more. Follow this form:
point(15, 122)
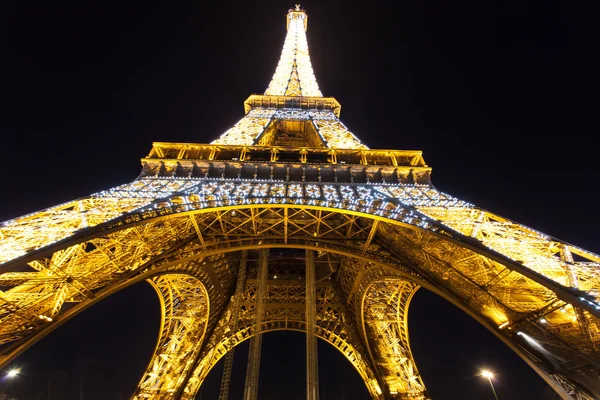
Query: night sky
point(502, 97)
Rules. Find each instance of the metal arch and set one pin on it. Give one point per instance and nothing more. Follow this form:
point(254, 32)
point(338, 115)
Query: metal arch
point(477, 299)
point(157, 234)
point(68, 267)
point(285, 310)
point(169, 263)
point(189, 253)
point(24, 276)
point(386, 210)
point(384, 321)
point(228, 343)
point(160, 198)
point(172, 264)
point(185, 311)
point(379, 270)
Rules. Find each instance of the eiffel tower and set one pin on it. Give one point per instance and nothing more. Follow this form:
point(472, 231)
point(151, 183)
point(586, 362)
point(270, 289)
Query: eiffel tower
point(287, 221)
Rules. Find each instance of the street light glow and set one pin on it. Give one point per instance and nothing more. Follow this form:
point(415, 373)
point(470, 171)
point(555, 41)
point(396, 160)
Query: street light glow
point(13, 372)
point(487, 374)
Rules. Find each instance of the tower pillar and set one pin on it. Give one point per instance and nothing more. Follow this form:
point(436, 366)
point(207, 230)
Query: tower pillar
point(312, 371)
point(237, 299)
point(253, 370)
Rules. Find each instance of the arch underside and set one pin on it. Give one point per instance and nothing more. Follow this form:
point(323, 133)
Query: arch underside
point(285, 309)
point(385, 324)
point(185, 315)
point(73, 266)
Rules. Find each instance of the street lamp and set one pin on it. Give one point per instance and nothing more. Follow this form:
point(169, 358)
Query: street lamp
point(489, 375)
point(10, 375)
point(13, 372)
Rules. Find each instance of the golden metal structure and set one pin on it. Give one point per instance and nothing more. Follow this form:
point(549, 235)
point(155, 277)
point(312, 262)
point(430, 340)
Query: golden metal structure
point(236, 303)
point(312, 366)
point(252, 372)
point(318, 234)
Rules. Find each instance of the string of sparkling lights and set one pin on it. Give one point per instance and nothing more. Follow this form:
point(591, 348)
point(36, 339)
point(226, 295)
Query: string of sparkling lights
point(294, 62)
point(497, 234)
point(290, 175)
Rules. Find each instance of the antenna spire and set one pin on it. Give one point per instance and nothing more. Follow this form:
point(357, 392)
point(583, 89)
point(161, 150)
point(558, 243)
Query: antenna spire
point(294, 74)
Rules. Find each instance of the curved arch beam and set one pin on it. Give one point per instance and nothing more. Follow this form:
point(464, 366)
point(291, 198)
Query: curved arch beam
point(184, 319)
point(419, 206)
point(189, 258)
point(78, 267)
point(380, 267)
point(385, 326)
point(214, 354)
point(202, 268)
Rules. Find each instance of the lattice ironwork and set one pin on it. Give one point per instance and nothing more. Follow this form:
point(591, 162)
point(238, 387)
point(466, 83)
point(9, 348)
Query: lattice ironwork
point(286, 310)
point(236, 302)
point(287, 179)
point(385, 317)
point(184, 320)
point(294, 74)
point(312, 366)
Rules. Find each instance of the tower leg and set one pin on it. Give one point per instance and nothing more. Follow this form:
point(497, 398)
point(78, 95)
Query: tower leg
point(312, 372)
point(184, 320)
point(385, 318)
point(252, 373)
point(237, 299)
point(226, 379)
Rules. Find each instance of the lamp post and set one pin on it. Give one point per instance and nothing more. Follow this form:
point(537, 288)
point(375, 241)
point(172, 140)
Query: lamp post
point(489, 375)
point(11, 374)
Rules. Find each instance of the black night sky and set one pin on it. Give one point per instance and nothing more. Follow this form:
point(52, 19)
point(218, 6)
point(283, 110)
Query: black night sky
point(501, 96)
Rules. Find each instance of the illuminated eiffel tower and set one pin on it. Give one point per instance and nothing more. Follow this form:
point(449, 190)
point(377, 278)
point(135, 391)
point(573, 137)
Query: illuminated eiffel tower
point(288, 221)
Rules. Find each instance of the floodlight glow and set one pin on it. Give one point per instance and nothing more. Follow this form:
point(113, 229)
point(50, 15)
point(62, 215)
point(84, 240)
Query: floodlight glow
point(487, 374)
point(537, 345)
point(13, 372)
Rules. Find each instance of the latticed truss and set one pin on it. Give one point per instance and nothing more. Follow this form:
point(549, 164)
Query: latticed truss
point(292, 95)
point(284, 212)
point(294, 74)
point(248, 129)
point(255, 127)
point(285, 310)
point(185, 307)
point(369, 226)
point(384, 315)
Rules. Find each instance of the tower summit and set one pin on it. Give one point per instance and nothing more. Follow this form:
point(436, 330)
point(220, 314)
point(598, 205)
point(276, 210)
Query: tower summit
point(294, 75)
point(292, 112)
point(288, 222)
